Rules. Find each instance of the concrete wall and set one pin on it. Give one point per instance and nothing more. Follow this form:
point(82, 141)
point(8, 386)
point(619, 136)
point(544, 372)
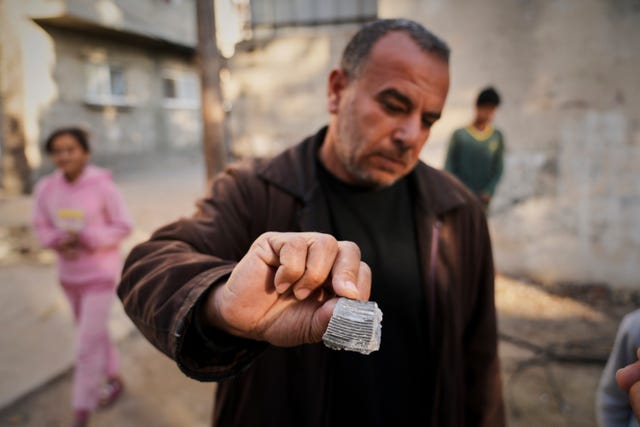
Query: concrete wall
point(568, 209)
point(277, 88)
point(17, 129)
point(172, 21)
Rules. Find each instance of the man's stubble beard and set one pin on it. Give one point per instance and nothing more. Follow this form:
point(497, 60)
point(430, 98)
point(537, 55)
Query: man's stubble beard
point(349, 142)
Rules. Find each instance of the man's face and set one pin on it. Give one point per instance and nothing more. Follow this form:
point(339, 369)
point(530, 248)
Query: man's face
point(381, 119)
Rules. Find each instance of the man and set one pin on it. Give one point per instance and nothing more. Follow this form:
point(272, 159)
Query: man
point(476, 151)
point(242, 292)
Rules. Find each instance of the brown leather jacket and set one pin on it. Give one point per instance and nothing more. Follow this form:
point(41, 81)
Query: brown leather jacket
point(262, 385)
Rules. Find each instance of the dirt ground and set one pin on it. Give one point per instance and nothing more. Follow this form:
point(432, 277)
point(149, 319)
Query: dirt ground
point(156, 395)
point(553, 347)
point(554, 342)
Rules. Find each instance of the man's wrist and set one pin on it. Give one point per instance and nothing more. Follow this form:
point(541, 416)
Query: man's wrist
point(208, 311)
point(210, 326)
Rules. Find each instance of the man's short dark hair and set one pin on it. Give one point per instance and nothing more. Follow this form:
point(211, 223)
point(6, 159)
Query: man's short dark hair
point(79, 134)
point(489, 97)
point(357, 50)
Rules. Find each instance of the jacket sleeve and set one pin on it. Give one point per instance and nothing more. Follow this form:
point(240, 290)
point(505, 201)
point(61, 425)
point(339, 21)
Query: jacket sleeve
point(612, 403)
point(117, 224)
point(165, 278)
point(483, 400)
point(48, 235)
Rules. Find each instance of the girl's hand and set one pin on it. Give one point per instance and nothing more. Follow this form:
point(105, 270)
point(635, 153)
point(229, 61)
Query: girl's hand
point(69, 248)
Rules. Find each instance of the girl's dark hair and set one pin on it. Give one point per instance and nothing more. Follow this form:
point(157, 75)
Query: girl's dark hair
point(80, 135)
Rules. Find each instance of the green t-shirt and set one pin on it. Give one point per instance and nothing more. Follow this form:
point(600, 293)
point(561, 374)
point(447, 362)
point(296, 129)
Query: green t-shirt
point(476, 158)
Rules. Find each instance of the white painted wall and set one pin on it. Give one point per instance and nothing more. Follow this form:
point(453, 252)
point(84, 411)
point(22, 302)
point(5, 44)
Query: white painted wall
point(568, 209)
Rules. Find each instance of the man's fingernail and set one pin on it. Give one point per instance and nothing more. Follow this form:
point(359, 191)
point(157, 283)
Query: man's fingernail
point(302, 293)
point(282, 288)
point(351, 287)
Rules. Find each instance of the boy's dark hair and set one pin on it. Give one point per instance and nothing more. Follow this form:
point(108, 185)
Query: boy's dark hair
point(357, 50)
point(80, 135)
point(488, 96)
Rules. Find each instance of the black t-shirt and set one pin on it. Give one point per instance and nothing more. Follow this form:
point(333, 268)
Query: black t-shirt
point(391, 386)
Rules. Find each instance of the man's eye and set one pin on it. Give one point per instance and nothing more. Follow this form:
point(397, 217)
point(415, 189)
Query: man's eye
point(394, 108)
point(427, 124)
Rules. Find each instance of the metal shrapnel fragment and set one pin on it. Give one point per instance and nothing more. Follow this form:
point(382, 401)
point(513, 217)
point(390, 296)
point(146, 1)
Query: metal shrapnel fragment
point(354, 326)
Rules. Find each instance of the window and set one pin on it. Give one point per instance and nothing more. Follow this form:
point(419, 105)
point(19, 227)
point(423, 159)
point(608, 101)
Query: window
point(106, 85)
point(180, 89)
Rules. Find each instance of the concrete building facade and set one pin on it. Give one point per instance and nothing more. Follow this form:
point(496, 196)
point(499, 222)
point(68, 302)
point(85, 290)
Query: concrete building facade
point(124, 70)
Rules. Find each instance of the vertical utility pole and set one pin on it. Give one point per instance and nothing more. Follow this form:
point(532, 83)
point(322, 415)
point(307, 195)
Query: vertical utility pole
point(209, 63)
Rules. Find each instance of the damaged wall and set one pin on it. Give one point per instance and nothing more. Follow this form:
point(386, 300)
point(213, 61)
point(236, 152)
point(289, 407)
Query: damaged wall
point(568, 208)
point(276, 87)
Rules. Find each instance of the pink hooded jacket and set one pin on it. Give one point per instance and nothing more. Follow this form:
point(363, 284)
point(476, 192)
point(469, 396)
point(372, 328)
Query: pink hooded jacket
point(93, 207)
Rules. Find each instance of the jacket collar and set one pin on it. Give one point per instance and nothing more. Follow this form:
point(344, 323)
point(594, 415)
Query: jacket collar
point(435, 190)
point(294, 171)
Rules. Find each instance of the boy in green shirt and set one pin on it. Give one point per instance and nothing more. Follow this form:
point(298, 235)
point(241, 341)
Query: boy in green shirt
point(475, 154)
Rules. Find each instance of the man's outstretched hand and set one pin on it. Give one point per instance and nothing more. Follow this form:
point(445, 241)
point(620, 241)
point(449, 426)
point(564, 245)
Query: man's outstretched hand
point(284, 289)
point(629, 380)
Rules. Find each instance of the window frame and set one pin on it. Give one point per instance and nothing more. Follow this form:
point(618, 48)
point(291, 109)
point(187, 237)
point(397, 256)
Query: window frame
point(100, 75)
point(185, 98)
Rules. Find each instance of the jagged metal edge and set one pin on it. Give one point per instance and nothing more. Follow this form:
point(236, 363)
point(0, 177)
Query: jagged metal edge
point(354, 326)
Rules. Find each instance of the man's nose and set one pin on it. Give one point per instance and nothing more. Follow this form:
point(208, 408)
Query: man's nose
point(409, 131)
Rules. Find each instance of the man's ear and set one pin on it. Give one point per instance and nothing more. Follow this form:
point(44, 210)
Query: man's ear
point(338, 81)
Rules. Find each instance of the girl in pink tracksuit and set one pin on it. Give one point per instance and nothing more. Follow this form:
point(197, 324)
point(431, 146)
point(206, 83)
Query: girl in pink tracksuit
point(79, 213)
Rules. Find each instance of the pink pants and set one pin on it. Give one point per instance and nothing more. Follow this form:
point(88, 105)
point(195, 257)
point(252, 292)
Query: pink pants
point(96, 356)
